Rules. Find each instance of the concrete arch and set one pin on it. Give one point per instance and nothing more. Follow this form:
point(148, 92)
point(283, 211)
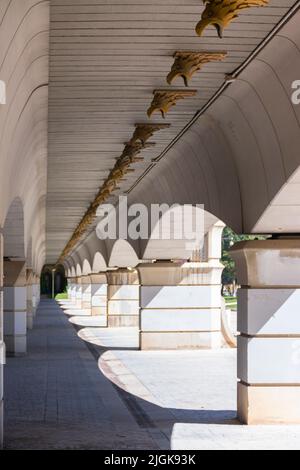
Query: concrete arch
point(99, 263)
point(13, 231)
point(86, 268)
point(241, 157)
point(24, 37)
point(184, 229)
point(123, 255)
point(78, 270)
point(67, 268)
point(73, 271)
point(75, 264)
point(29, 257)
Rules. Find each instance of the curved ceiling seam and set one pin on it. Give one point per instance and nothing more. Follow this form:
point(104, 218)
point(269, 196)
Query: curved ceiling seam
point(29, 173)
point(5, 12)
point(35, 143)
point(29, 11)
point(272, 125)
point(287, 38)
point(210, 159)
point(17, 62)
point(234, 162)
point(12, 101)
point(255, 139)
point(39, 126)
point(283, 88)
point(199, 163)
point(28, 100)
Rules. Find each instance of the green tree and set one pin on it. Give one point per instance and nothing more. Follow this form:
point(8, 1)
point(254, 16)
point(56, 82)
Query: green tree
point(229, 238)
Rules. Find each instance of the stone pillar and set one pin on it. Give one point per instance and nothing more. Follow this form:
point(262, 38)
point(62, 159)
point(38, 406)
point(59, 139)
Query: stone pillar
point(36, 293)
point(78, 292)
point(2, 345)
point(123, 298)
point(69, 287)
point(15, 307)
point(99, 295)
point(180, 305)
point(269, 327)
point(73, 285)
point(86, 303)
point(30, 298)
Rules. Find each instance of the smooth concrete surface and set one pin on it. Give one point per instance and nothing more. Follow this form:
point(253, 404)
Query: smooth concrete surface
point(99, 300)
point(15, 319)
point(277, 404)
point(126, 338)
point(268, 322)
point(72, 394)
point(123, 298)
point(180, 303)
point(269, 360)
point(56, 397)
point(269, 311)
point(99, 295)
point(86, 292)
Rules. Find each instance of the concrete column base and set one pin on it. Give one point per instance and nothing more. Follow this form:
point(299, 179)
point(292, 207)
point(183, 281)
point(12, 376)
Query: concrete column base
point(15, 320)
point(30, 317)
point(30, 312)
point(269, 326)
point(69, 287)
point(99, 311)
point(123, 298)
point(86, 301)
point(30, 297)
point(123, 320)
point(268, 404)
point(179, 340)
point(99, 296)
point(72, 290)
point(78, 300)
point(180, 305)
point(35, 296)
point(16, 345)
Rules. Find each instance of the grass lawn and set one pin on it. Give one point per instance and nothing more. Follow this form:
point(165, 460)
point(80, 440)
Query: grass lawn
point(62, 296)
point(231, 302)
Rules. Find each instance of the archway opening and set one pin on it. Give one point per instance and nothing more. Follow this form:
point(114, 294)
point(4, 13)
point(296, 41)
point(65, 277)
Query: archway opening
point(53, 281)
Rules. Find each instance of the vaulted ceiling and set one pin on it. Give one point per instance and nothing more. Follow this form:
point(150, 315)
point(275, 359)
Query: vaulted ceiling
point(106, 59)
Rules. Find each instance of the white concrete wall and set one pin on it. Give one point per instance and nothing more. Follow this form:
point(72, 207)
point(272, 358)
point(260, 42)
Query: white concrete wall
point(99, 295)
point(180, 305)
point(123, 298)
point(15, 320)
point(269, 325)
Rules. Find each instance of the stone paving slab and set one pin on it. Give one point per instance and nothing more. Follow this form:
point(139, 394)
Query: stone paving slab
point(111, 338)
point(56, 397)
point(189, 395)
point(88, 321)
point(87, 387)
point(191, 436)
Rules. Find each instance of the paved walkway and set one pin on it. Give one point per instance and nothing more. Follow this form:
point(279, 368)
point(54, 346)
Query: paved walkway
point(56, 398)
point(83, 387)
